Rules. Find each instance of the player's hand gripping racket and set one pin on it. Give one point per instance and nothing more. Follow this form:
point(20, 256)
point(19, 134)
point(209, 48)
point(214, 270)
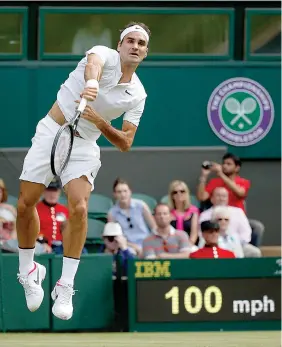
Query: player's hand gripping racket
point(63, 142)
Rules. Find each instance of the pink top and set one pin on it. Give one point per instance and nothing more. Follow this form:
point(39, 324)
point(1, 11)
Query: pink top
point(180, 218)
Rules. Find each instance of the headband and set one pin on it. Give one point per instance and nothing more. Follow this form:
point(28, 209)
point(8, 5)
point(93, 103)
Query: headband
point(132, 29)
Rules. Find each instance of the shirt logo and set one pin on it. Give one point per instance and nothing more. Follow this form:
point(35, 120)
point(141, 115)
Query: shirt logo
point(127, 92)
point(240, 111)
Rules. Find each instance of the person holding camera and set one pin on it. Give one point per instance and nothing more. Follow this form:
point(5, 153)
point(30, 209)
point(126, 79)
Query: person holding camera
point(115, 244)
point(237, 187)
point(228, 177)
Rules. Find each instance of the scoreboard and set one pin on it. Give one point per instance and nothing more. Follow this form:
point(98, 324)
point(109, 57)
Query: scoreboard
point(205, 294)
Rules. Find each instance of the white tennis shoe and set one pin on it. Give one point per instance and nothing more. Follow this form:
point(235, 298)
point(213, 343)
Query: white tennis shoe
point(31, 283)
point(62, 295)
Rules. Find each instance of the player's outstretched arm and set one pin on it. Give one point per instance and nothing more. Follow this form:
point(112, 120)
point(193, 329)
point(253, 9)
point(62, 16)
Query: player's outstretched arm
point(122, 139)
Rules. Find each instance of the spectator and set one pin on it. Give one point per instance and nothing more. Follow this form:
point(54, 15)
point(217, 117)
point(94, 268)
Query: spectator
point(115, 243)
point(7, 211)
point(7, 230)
point(133, 215)
point(238, 224)
point(166, 241)
point(231, 243)
point(92, 35)
point(210, 233)
point(237, 187)
point(184, 215)
point(53, 217)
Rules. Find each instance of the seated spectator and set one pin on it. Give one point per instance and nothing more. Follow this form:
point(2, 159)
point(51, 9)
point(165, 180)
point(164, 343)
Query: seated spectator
point(7, 230)
point(166, 241)
point(231, 243)
point(238, 224)
point(93, 34)
point(237, 187)
point(115, 243)
point(53, 217)
point(7, 211)
point(210, 234)
point(133, 215)
point(184, 215)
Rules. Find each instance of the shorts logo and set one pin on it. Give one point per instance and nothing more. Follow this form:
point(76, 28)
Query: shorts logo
point(240, 111)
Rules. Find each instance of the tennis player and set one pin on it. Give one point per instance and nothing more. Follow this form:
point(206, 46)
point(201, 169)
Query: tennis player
point(118, 91)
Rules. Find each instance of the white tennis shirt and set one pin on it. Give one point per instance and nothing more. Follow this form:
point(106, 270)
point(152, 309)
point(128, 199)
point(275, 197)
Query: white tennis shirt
point(113, 99)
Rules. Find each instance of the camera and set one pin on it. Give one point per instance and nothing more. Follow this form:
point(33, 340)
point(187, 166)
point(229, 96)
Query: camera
point(206, 165)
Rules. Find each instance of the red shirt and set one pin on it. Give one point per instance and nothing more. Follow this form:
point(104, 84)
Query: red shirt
point(211, 253)
point(234, 200)
point(49, 225)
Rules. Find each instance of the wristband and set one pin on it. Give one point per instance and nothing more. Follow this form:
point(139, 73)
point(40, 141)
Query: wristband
point(92, 84)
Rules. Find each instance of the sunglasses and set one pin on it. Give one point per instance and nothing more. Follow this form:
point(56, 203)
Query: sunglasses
point(178, 191)
point(129, 222)
point(110, 238)
point(221, 219)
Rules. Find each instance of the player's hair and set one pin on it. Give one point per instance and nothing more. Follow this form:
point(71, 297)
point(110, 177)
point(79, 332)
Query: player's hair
point(4, 191)
point(142, 25)
point(120, 181)
point(235, 158)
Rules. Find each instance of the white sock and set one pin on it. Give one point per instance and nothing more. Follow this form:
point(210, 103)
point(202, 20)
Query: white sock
point(26, 256)
point(69, 270)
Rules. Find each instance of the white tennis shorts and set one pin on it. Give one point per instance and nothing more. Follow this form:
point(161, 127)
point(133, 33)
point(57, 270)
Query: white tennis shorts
point(84, 159)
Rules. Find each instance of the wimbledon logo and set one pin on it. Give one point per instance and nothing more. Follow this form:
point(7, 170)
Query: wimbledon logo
point(240, 111)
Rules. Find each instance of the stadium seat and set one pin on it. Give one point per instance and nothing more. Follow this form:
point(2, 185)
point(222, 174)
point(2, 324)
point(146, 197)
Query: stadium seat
point(99, 206)
point(63, 200)
point(95, 230)
point(149, 200)
point(12, 200)
point(94, 235)
point(164, 199)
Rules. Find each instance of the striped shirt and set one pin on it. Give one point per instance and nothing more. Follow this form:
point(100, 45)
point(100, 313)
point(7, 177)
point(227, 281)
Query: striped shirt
point(177, 241)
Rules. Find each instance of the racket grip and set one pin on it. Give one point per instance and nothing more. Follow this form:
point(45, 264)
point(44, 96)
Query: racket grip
point(82, 105)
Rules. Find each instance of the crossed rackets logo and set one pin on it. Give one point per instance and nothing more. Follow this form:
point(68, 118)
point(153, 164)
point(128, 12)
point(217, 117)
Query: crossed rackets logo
point(241, 110)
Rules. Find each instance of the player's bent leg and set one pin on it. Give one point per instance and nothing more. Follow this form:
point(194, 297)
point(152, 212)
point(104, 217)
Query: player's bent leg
point(31, 274)
point(78, 191)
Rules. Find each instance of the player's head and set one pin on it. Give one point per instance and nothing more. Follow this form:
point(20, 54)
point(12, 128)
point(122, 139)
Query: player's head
point(133, 43)
point(231, 164)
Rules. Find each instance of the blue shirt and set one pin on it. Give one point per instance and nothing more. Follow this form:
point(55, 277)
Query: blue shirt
point(123, 256)
point(133, 224)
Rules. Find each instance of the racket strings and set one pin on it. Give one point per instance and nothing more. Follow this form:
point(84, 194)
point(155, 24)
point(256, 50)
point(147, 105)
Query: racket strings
point(63, 149)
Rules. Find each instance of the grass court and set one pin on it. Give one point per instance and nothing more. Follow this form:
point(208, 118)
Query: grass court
point(189, 339)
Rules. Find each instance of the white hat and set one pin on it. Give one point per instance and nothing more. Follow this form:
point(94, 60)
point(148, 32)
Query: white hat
point(112, 229)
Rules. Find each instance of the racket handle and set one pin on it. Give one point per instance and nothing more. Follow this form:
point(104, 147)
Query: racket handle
point(82, 105)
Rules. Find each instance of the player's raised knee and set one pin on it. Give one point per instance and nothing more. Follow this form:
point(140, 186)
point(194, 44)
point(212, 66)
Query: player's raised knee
point(24, 204)
point(78, 209)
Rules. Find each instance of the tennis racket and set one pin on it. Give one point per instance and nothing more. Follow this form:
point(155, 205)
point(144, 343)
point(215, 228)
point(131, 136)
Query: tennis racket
point(63, 141)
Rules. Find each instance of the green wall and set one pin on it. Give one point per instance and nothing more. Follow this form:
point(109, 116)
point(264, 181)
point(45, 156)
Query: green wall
point(175, 113)
point(94, 305)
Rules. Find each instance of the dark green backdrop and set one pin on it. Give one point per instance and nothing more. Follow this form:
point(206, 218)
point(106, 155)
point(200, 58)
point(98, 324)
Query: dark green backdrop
point(175, 113)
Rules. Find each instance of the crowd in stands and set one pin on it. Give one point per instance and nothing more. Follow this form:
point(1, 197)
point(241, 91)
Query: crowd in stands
point(180, 226)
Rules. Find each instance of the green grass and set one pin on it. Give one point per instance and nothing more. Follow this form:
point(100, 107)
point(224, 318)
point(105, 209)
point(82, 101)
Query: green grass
point(202, 339)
